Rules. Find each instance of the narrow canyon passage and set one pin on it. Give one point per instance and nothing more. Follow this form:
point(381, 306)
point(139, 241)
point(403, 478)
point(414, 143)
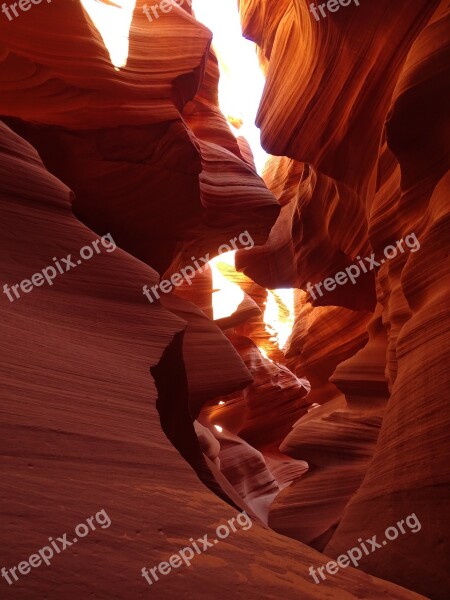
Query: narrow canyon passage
point(233, 429)
point(240, 444)
point(249, 330)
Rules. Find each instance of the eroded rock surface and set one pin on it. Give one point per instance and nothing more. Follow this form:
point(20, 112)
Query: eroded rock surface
point(169, 420)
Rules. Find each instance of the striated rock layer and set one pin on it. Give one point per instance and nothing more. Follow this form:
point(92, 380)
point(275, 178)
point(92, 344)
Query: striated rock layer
point(172, 421)
point(82, 432)
point(368, 115)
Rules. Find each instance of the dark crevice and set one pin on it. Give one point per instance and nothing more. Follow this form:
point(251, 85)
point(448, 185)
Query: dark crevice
point(173, 408)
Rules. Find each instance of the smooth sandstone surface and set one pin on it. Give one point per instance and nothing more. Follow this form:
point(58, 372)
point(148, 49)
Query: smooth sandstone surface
point(111, 402)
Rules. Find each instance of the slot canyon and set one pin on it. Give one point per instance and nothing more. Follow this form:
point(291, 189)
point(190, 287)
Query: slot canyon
point(259, 326)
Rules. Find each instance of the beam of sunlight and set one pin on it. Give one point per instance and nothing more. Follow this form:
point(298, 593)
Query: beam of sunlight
point(241, 80)
point(113, 21)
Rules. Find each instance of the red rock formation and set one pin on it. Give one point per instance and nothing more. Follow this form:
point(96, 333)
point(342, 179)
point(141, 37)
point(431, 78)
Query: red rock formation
point(111, 401)
point(382, 195)
point(413, 291)
point(81, 430)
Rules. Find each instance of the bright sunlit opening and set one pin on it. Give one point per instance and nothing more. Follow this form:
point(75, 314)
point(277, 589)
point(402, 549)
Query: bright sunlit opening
point(264, 353)
point(113, 23)
point(241, 80)
point(279, 314)
point(226, 295)
point(241, 85)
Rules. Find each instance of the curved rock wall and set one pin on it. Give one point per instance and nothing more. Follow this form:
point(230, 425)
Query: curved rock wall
point(368, 116)
point(170, 421)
